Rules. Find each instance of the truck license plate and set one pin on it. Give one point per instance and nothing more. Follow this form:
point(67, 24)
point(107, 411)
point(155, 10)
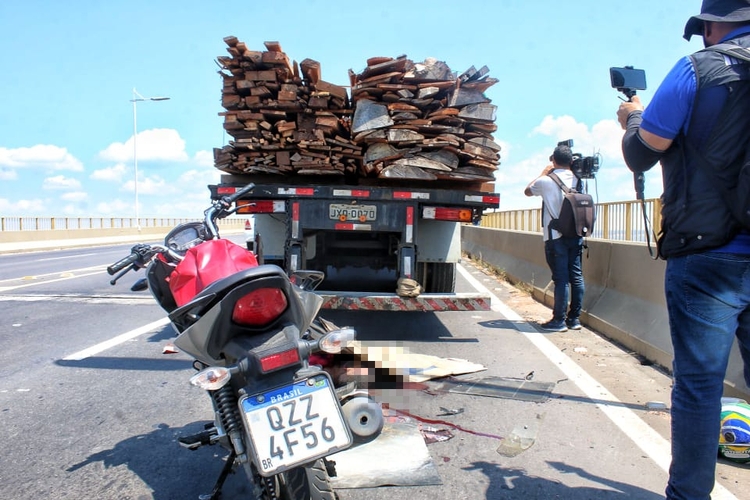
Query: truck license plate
point(295, 424)
point(359, 213)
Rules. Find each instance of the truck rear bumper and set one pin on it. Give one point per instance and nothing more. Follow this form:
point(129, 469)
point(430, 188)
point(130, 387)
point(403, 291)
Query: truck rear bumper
point(391, 302)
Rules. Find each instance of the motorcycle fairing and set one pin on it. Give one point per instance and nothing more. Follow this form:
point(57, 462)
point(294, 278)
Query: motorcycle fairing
point(206, 263)
point(209, 314)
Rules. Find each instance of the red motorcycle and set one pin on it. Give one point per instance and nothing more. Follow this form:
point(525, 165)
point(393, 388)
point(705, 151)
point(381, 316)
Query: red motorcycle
point(258, 347)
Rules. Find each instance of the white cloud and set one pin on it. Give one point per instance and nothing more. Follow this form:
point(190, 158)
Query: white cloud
point(114, 207)
point(61, 182)
point(159, 144)
point(42, 156)
point(7, 174)
point(200, 178)
point(75, 196)
point(114, 173)
point(24, 207)
point(204, 158)
point(153, 185)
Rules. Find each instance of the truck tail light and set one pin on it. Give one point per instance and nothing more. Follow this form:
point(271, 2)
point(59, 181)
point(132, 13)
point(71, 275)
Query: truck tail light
point(280, 359)
point(447, 214)
point(259, 307)
point(260, 207)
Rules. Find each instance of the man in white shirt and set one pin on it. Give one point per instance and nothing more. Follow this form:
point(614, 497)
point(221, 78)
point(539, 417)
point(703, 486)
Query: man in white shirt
point(563, 254)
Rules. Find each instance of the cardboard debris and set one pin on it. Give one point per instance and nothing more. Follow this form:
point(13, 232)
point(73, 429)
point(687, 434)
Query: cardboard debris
point(413, 367)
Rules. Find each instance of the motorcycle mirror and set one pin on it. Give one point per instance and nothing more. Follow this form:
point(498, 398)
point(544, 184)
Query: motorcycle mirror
point(140, 285)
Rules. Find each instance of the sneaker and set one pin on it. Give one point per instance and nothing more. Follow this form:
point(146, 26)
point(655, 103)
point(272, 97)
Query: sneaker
point(573, 324)
point(554, 326)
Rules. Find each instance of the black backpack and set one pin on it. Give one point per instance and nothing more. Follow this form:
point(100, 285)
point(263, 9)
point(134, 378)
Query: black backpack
point(577, 215)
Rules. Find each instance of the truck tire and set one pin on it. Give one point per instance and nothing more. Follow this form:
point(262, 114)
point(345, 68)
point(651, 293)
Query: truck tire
point(441, 277)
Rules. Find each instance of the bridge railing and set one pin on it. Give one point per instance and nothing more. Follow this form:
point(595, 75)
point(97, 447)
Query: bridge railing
point(619, 221)
point(27, 223)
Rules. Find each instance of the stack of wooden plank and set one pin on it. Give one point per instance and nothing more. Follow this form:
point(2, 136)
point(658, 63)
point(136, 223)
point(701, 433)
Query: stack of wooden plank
point(283, 117)
point(404, 121)
point(421, 121)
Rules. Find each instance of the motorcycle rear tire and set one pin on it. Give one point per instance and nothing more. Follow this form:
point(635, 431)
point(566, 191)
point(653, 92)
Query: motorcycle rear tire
point(308, 483)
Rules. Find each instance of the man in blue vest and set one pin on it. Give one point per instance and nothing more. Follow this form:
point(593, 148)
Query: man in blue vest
point(698, 126)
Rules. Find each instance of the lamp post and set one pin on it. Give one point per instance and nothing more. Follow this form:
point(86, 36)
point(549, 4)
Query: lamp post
point(138, 98)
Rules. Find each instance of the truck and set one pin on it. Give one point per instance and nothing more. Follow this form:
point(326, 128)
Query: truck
point(369, 183)
point(366, 238)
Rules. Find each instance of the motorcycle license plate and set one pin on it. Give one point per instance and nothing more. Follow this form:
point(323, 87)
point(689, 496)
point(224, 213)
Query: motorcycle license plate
point(359, 213)
point(295, 424)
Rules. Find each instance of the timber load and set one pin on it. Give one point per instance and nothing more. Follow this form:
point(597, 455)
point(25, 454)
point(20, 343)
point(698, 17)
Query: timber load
point(397, 121)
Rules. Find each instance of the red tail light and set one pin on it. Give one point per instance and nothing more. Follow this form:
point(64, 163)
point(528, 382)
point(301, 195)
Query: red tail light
point(260, 207)
point(259, 307)
point(279, 360)
point(449, 214)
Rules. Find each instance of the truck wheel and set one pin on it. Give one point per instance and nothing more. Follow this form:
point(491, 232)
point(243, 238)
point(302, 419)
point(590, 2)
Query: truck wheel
point(441, 277)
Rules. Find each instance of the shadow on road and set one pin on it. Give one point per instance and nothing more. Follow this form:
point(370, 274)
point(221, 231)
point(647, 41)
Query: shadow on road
point(127, 363)
point(509, 483)
point(395, 325)
point(167, 469)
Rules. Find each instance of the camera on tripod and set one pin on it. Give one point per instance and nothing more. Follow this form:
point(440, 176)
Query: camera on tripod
point(584, 167)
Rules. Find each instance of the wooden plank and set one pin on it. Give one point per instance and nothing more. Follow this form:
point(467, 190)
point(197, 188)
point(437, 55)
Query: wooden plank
point(310, 71)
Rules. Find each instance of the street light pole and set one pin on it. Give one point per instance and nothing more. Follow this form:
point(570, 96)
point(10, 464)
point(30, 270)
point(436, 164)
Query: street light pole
point(138, 98)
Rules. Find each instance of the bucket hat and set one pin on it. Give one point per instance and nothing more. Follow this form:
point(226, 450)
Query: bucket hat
point(723, 11)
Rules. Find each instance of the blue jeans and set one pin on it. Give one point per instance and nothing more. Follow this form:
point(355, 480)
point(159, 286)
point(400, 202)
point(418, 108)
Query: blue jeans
point(564, 260)
point(708, 300)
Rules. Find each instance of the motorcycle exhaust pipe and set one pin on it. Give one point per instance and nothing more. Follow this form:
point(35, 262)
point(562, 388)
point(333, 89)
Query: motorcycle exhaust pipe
point(364, 417)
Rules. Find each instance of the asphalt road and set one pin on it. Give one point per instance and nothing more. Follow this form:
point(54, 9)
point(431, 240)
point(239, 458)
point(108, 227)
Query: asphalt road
point(91, 408)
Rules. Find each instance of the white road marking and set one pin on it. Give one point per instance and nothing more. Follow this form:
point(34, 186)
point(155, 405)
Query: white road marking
point(58, 273)
point(80, 298)
point(64, 276)
point(646, 438)
point(103, 346)
point(65, 257)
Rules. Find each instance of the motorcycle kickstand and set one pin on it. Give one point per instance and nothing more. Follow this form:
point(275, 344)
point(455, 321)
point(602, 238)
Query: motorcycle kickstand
point(216, 492)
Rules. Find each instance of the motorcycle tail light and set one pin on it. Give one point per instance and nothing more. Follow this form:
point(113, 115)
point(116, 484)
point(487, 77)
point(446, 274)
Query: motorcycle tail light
point(212, 378)
point(271, 362)
point(259, 307)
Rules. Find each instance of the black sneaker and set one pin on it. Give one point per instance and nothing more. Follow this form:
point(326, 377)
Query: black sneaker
point(573, 324)
point(554, 326)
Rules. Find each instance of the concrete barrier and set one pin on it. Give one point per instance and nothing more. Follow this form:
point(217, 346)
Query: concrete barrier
point(624, 298)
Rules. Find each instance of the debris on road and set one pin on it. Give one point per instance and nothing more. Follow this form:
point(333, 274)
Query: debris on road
point(521, 438)
point(449, 411)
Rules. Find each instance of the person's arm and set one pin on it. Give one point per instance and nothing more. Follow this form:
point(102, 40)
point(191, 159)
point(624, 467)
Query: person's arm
point(640, 148)
point(669, 111)
point(528, 191)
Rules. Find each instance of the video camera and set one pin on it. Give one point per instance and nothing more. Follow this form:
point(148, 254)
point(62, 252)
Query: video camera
point(584, 167)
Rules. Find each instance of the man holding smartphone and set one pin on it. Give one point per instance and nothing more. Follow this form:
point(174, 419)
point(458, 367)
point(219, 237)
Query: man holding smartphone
point(698, 127)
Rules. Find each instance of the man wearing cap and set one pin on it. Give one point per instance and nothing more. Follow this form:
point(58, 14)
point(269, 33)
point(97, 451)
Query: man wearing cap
point(698, 125)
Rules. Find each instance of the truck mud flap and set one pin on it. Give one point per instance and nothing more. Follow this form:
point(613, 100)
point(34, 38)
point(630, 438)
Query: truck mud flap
point(391, 302)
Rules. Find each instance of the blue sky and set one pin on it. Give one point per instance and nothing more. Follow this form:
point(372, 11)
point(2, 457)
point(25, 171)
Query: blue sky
point(68, 70)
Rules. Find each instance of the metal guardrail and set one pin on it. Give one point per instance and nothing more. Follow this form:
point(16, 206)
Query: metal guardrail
point(619, 221)
point(24, 223)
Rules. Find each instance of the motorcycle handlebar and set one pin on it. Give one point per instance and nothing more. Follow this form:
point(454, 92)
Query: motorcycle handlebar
point(123, 263)
point(221, 208)
point(236, 196)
